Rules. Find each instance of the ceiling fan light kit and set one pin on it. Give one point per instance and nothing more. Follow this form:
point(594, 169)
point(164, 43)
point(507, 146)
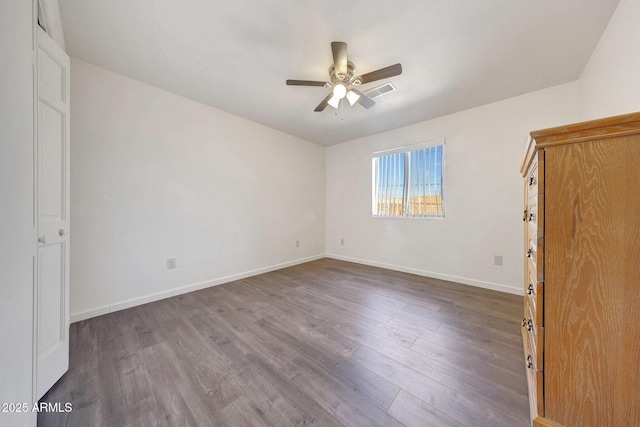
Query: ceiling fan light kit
point(342, 80)
point(339, 90)
point(334, 102)
point(352, 97)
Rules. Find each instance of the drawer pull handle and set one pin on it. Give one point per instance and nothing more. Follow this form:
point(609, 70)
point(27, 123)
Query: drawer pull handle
point(529, 253)
point(529, 362)
point(532, 180)
point(524, 322)
point(530, 289)
point(531, 216)
point(529, 325)
point(524, 216)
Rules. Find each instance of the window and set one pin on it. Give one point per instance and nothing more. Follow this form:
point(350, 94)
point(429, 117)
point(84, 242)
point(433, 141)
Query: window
point(407, 182)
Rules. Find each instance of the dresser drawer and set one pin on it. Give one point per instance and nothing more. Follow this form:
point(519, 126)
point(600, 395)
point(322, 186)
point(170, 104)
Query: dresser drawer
point(532, 251)
point(534, 379)
point(531, 269)
point(530, 217)
point(532, 231)
point(532, 212)
point(532, 179)
point(535, 335)
point(534, 291)
point(531, 381)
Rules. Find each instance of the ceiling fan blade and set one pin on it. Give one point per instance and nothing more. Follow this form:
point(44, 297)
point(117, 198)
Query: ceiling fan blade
point(382, 73)
point(364, 100)
point(339, 50)
point(305, 83)
point(324, 102)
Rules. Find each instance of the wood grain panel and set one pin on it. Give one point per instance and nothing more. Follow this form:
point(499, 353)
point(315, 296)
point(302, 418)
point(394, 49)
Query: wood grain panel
point(609, 127)
point(530, 373)
point(532, 179)
point(544, 422)
point(412, 411)
point(592, 292)
point(539, 392)
point(326, 343)
point(541, 201)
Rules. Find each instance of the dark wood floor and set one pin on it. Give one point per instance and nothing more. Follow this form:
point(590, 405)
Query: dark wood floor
point(326, 343)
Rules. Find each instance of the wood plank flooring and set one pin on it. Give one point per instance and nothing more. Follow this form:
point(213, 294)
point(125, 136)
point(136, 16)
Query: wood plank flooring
point(327, 343)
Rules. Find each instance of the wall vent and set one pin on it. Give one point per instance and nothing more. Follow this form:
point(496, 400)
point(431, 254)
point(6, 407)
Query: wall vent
point(380, 90)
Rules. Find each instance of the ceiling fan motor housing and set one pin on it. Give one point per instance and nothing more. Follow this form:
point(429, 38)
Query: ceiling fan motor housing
point(347, 79)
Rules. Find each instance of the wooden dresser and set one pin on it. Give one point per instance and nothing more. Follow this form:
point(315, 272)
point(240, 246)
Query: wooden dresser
point(581, 323)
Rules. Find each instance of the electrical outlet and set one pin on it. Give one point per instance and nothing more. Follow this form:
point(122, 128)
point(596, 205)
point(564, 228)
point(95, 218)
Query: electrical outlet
point(171, 263)
point(297, 243)
point(342, 242)
point(497, 260)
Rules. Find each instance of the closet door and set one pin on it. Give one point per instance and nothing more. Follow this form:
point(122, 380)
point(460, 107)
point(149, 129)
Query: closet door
point(51, 309)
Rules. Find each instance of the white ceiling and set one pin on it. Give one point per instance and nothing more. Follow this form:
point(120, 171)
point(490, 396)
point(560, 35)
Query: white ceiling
point(236, 55)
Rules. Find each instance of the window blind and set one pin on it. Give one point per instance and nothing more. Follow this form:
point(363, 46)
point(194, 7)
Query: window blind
point(408, 182)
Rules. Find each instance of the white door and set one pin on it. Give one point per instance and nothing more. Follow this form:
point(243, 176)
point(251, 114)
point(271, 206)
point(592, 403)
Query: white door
point(52, 214)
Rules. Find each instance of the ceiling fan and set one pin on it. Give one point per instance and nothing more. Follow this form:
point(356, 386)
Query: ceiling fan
point(343, 80)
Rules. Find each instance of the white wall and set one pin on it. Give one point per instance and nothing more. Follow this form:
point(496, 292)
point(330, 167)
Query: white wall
point(483, 200)
point(610, 82)
point(157, 176)
point(17, 233)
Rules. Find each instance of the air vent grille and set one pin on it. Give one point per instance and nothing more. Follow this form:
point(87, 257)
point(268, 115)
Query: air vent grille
point(380, 90)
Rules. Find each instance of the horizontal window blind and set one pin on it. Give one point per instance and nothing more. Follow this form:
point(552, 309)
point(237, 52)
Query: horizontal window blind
point(408, 182)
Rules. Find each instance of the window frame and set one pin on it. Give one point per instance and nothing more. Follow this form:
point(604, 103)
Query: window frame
point(407, 149)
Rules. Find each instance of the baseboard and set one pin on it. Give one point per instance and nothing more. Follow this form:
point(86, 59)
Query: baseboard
point(434, 275)
point(110, 308)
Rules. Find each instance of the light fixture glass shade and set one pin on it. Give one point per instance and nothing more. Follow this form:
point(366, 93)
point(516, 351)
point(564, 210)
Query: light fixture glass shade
point(334, 101)
point(339, 91)
point(352, 97)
